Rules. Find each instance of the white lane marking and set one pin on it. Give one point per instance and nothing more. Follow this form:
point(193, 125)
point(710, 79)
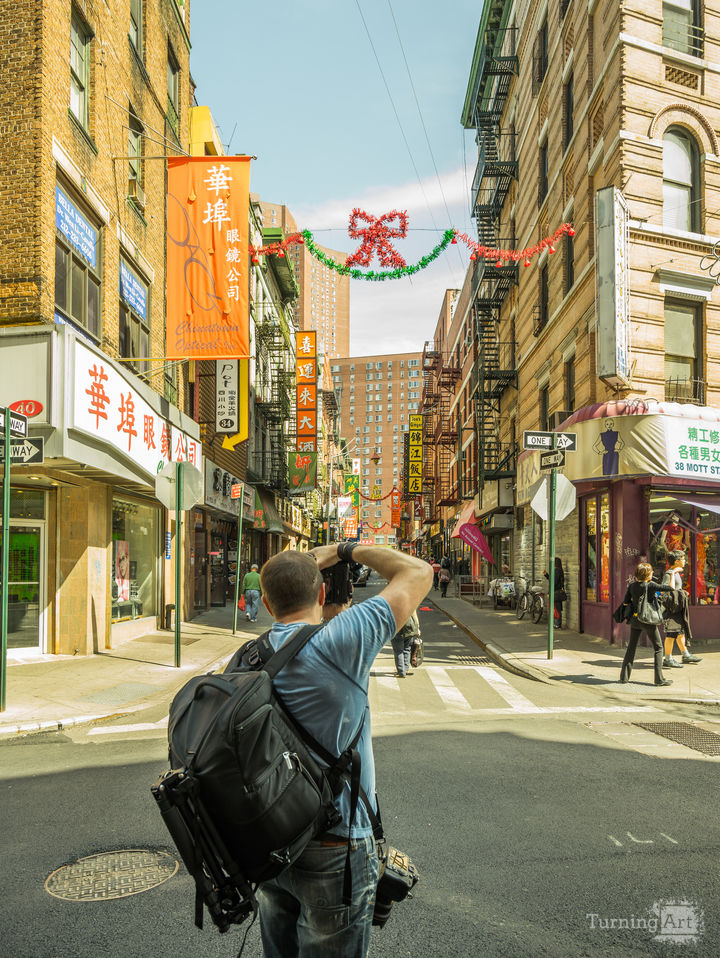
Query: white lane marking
point(139, 727)
point(669, 839)
point(640, 841)
point(388, 682)
point(613, 839)
point(446, 689)
point(501, 685)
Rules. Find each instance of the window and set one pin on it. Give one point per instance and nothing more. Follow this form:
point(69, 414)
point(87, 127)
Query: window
point(543, 297)
point(79, 69)
point(597, 548)
point(135, 134)
point(136, 24)
point(568, 107)
point(681, 174)
point(135, 580)
point(569, 401)
point(540, 58)
point(683, 378)
point(544, 407)
point(134, 319)
point(542, 172)
point(173, 92)
point(78, 258)
point(681, 27)
point(569, 263)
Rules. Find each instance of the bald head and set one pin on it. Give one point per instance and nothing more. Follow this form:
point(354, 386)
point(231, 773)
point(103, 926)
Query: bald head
point(290, 581)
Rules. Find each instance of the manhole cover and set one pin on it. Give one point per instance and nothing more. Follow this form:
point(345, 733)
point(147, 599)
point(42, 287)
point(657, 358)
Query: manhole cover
point(111, 875)
point(699, 739)
point(471, 659)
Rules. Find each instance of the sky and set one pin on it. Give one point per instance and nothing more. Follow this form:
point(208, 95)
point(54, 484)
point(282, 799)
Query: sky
point(297, 84)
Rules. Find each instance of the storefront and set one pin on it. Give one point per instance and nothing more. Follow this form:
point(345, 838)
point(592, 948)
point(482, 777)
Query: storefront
point(88, 536)
point(647, 476)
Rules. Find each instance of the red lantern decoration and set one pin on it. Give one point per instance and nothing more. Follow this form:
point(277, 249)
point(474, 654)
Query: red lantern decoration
point(571, 231)
point(551, 249)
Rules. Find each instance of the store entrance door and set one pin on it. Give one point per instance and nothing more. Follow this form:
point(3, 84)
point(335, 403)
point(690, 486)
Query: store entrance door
point(26, 586)
point(218, 569)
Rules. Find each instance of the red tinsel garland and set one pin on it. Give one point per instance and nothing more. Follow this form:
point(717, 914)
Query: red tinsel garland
point(373, 499)
point(504, 256)
point(276, 249)
point(376, 238)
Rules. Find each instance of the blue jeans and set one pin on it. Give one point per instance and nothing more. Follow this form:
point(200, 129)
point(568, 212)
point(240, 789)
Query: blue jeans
point(402, 648)
point(252, 602)
point(302, 913)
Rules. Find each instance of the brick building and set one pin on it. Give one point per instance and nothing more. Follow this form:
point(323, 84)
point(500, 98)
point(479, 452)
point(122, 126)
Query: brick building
point(377, 395)
point(603, 115)
point(98, 98)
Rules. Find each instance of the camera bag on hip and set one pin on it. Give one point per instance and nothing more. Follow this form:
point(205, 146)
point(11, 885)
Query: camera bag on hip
point(245, 795)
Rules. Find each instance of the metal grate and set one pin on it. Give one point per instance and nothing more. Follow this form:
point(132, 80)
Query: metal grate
point(471, 659)
point(692, 736)
point(111, 875)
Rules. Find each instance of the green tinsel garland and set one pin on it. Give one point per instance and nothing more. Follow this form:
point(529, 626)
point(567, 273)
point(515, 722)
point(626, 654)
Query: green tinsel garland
point(371, 275)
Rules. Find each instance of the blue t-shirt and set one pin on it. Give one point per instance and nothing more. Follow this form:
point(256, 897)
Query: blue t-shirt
point(325, 688)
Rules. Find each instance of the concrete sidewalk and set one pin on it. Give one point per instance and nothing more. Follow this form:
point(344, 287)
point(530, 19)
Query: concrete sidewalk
point(521, 647)
point(53, 691)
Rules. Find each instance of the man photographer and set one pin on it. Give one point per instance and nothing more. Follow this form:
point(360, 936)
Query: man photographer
point(325, 687)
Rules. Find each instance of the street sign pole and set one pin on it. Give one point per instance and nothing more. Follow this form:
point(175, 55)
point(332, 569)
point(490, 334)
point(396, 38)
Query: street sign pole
point(5, 563)
point(551, 571)
point(178, 560)
point(237, 560)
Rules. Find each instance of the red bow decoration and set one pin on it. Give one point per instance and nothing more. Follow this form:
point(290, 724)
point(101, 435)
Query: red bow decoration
point(376, 238)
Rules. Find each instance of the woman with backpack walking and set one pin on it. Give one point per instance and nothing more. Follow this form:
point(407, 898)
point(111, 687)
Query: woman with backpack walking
point(642, 610)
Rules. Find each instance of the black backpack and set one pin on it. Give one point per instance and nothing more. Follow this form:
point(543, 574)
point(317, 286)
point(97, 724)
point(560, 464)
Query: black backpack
point(245, 795)
point(649, 611)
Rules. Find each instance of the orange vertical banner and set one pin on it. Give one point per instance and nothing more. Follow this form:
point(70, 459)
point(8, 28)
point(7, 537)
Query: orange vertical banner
point(207, 257)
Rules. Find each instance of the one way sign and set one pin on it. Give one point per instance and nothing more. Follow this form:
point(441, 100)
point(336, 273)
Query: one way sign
point(25, 451)
point(566, 441)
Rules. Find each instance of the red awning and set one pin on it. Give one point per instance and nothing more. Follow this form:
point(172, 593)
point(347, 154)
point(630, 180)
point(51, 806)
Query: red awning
point(467, 515)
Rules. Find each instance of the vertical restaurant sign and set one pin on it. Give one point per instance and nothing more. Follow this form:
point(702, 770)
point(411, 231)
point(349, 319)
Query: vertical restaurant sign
point(352, 487)
point(227, 411)
point(406, 473)
point(107, 406)
point(613, 286)
point(356, 467)
point(395, 508)
point(207, 257)
point(302, 471)
point(306, 406)
point(415, 456)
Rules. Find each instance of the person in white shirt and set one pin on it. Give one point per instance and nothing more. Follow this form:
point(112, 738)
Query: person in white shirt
point(674, 629)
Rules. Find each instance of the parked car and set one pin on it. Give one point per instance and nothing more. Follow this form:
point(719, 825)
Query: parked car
point(363, 576)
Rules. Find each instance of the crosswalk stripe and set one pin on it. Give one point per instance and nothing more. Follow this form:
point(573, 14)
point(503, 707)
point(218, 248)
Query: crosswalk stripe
point(446, 688)
point(501, 685)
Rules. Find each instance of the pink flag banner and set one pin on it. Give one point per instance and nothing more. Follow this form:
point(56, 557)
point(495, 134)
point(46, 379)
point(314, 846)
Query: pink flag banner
point(471, 534)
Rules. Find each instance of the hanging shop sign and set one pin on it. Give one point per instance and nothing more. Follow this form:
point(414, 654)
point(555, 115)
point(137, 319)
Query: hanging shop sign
point(207, 255)
point(302, 471)
point(219, 488)
point(395, 508)
point(356, 467)
point(227, 395)
point(306, 390)
point(107, 406)
point(612, 295)
point(415, 455)
point(352, 488)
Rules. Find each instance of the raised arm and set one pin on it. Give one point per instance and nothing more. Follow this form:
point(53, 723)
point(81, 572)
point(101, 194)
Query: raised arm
point(409, 579)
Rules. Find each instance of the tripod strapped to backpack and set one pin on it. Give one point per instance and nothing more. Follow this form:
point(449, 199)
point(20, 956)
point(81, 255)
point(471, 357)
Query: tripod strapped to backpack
point(219, 883)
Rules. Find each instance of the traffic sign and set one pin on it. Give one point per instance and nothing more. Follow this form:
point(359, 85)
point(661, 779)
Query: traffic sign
point(18, 422)
point(25, 451)
point(538, 440)
point(551, 460)
point(236, 490)
point(566, 441)
point(192, 485)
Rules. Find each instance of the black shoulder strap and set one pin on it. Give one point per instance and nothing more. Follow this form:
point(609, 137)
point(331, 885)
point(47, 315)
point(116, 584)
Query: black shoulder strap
point(274, 661)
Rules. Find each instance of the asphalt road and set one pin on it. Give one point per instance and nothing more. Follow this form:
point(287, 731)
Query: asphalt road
point(539, 817)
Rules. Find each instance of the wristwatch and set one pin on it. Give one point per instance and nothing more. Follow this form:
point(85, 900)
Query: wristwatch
point(345, 550)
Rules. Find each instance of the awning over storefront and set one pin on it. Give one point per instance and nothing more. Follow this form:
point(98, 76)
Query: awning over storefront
point(711, 503)
point(266, 515)
point(467, 515)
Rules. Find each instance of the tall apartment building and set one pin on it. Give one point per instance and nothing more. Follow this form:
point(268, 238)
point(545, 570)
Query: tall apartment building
point(93, 100)
point(324, 301)
point(377, 395)
point(602, 114)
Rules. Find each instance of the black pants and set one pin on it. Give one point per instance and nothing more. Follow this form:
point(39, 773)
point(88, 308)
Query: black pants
point(653, 634)
point(443, 589)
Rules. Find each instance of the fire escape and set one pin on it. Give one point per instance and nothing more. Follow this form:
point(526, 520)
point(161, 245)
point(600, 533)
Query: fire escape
point(276, 407)
point(495, 173)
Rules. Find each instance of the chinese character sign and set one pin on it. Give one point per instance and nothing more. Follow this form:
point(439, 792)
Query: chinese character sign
point(306, 404)
point(415, 464)
point(207, 257)
point(227, 395)
point(302, 471)
point(395, 509)
point(352, 488)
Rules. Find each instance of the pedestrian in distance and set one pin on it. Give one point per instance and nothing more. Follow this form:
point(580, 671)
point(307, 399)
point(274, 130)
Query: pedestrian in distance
point(324, 687)
point(560, 594)
point(673, 623)
point(252, 591)
point(639, 593)
point(436, 572)
point(402, 644)
point(444, 580)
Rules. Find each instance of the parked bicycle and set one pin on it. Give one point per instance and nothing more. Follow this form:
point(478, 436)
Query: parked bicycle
point(530, 600)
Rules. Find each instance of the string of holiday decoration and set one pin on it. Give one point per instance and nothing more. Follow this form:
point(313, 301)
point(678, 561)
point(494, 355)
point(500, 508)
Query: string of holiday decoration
point(375, 498)
point(367, 526)
point(377, 233)
point(503, 257)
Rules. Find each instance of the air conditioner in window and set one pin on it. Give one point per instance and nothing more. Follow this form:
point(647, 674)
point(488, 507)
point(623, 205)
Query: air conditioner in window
point(136, 193)
point(558, 418)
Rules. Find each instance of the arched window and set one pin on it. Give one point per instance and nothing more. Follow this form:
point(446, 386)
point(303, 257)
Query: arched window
point(681, 181)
